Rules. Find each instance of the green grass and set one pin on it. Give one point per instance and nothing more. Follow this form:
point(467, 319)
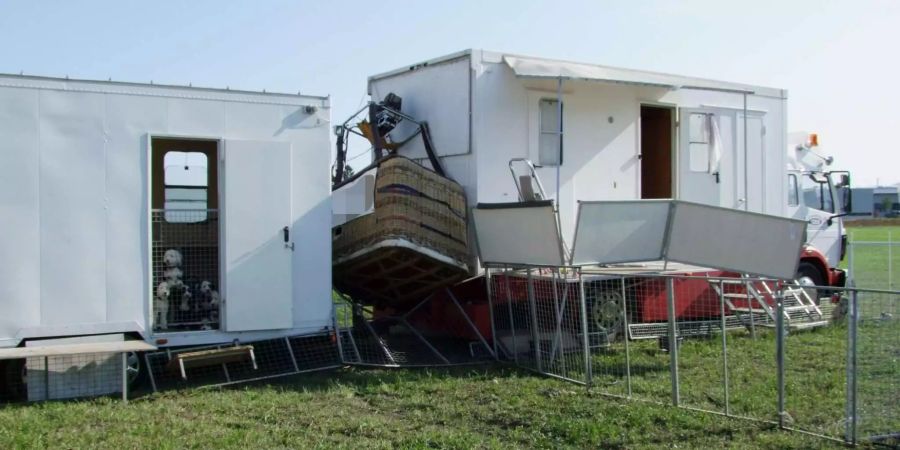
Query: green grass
point(463, 408)
point(875, 266)
point(482, 407)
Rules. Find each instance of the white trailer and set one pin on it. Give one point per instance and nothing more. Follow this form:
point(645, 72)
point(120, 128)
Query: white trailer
point(100, 179)
point(624, 134)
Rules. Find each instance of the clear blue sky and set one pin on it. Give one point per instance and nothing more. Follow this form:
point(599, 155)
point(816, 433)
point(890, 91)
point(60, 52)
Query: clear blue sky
point(838, 59)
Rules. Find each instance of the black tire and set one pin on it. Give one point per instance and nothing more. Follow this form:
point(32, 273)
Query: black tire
point(808, 274)
point(14, 380)
point(138, 372)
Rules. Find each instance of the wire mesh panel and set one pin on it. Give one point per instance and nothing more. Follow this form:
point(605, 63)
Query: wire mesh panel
point(877, 367)
point(449, 327)
point(540, 320)
point(61, 377)
point(607, 325)
point(185, 270)
point(228, 364)
point(875, 264)
point(815, 364)
point(701, 317)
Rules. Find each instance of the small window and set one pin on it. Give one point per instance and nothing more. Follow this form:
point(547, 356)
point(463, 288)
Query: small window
point(698, 142)
point(186, 186)
point(550, 136)
point(793, 194)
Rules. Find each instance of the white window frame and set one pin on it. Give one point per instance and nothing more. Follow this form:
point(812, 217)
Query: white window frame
point(793, 188)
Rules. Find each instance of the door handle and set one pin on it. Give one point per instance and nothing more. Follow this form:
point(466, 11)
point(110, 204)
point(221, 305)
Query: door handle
point(286, 231)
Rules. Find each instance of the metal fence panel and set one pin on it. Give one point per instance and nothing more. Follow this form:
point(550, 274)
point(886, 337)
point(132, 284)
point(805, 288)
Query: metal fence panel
point(874, 265)
point(744, 347)
point(815, 368)
point(540, 321)
point(877, 367)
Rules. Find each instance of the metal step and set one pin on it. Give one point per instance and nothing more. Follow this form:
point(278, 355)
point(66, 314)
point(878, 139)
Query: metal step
point(747, 310)
point(808, 325)
point(212, 357)
point(798, 308)
point(655, 330)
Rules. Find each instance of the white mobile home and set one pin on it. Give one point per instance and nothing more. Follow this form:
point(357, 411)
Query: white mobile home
point(624, 134)
point(183, 215)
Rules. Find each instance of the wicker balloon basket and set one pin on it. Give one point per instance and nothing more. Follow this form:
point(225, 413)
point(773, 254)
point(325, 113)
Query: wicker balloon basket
point(414, 243)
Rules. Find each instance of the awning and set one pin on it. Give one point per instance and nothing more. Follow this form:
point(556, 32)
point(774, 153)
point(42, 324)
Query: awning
point(549, 69)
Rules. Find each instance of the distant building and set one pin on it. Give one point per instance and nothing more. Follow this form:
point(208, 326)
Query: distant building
point(880, 201)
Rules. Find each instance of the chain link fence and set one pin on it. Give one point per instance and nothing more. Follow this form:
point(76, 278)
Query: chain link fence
point(818, 360)
point(874, 264)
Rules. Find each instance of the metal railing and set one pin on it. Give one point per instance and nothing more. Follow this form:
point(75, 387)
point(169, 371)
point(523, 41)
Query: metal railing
point(708, 344)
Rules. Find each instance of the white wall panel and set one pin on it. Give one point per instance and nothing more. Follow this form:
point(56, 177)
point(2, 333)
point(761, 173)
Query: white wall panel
point(623, 231)
point(438, 94)
point(311, 216)
point(204, 118)
point(129, 119)
point(20, 278)
point(73, 202)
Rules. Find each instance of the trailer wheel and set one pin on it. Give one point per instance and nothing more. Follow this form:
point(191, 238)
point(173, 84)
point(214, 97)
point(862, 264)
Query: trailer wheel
point(809, 275)
point(136, 370)
point(14, 379)
point(606, 313)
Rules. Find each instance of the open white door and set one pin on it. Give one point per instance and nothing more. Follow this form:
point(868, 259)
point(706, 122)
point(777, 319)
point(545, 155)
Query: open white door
point(755, 158)
point(699, 167)
point(257, 269)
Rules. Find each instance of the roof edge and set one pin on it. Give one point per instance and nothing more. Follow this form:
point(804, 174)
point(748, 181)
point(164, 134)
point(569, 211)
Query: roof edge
point(227, 90)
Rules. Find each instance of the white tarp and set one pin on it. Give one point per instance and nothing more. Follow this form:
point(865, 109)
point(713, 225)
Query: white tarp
point(545, 68)
point(620, 231)
point(518, 234)
point(735, 240)
point(354, 199)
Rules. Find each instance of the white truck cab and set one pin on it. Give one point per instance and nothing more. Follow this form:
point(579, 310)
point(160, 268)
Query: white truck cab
point(820, 196)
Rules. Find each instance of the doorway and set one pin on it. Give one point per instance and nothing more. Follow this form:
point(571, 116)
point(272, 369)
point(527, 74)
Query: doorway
point(184, 201)
point(656, 152)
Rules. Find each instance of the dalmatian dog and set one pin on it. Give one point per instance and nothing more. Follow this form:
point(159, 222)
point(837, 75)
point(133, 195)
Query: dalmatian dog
point(172, 260)
point(209, 300)
point(161, 306)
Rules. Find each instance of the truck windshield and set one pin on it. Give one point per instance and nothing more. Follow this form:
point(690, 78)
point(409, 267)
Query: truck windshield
point(817, 192)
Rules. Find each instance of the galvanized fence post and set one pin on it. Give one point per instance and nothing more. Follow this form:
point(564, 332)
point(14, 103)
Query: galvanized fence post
point(512, 319)
point(673, 342)
point(535, 329)
point(626, 331)
point(585, 340)
point(722, 326)
point(558, 311)
point(490, 299)
point(852, 359)
point(780, 334)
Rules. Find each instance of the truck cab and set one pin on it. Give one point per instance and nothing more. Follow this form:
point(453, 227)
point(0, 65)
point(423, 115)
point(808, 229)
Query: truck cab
point(821, 197)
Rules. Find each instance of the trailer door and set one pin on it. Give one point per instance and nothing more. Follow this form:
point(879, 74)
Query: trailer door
point(700, 156)
point(257, 269)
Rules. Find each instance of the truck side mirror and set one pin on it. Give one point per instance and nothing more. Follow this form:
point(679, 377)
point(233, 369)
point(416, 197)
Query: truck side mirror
point(845, 181)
